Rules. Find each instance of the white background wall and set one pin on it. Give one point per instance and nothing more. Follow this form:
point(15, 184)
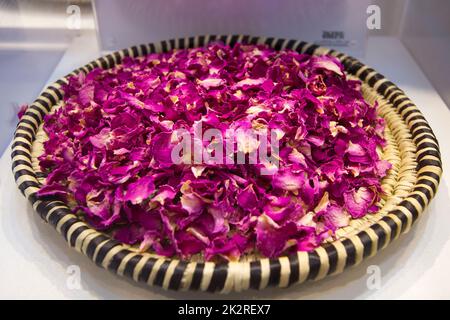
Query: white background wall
point(33, 38)
point(426, 34)
point(165, 19)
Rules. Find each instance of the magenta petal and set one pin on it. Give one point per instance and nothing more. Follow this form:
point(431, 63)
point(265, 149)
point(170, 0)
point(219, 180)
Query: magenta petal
point(191, 203)
point(211, 82)
point(52, 190)
point(355, 149)
point(162, 148)
point(382, 167)
point(102, 139)
point(247, 198)
point(87, 94)
point(307, 239)
point(288, 181)
point(189, 244)
point(335, 217)
point(328, 63)
point(249, 83)
point(359, 201)
point(129, 234)
point(282, 209)
point(140, 190)
point(271, 238)
point(164, 194)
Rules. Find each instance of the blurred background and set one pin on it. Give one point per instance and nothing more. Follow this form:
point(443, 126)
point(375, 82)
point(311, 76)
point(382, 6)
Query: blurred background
point(41, 41)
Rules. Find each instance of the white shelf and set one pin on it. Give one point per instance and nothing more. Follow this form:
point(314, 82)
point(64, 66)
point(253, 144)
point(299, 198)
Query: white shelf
point(414, 266)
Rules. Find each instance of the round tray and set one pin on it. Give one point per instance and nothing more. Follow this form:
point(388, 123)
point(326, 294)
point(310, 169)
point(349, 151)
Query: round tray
point(411, 183)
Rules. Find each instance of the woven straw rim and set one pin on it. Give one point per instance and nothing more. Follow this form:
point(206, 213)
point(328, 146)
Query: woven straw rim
point(411, 184)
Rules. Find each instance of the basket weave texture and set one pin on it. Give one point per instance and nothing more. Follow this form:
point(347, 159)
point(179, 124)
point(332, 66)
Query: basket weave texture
point(412, 182)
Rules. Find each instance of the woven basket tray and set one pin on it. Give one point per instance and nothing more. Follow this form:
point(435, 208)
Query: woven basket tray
point(411, 183)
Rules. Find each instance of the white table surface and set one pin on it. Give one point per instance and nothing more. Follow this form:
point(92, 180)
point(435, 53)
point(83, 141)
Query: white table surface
point(35, 259)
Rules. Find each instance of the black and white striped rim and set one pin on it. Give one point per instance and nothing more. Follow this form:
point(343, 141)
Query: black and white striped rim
point(233, 276)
